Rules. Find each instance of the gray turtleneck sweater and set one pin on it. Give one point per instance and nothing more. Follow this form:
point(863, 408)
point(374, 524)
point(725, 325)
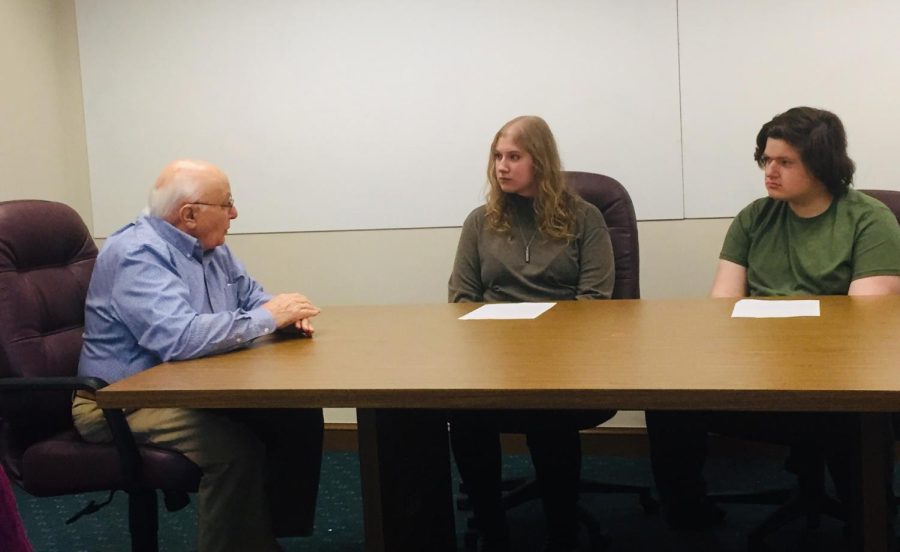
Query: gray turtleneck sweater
point(491, 266)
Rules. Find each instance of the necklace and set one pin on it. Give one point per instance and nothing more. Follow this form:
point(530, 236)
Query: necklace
point(528, 244)
point(518, 218)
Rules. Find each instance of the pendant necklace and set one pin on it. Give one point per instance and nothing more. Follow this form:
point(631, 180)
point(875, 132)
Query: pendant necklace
point(528, 244)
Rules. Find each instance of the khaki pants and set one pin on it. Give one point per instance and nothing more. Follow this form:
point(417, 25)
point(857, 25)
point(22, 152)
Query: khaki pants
point(260, 467)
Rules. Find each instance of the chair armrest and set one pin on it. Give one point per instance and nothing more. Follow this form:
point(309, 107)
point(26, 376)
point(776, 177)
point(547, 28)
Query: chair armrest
point(73, 383)
point(130, 458)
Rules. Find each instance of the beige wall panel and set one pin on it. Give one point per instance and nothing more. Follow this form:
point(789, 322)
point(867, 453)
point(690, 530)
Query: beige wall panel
point(678, 259)
point(42, 143)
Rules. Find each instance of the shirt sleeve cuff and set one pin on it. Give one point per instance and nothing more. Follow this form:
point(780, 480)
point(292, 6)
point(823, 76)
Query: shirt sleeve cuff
point(262, 321)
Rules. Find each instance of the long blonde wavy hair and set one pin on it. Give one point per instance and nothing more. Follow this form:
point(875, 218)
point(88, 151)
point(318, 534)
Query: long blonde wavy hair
point(553, 201)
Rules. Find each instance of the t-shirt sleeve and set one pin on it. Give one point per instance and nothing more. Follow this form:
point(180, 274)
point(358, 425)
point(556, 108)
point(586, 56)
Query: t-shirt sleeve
point(876, 250)
point(736, 247)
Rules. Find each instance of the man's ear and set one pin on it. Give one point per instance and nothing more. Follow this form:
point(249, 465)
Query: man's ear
point(187, 216)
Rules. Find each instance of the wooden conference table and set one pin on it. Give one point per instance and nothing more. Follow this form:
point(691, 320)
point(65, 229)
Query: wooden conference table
point(400, 364)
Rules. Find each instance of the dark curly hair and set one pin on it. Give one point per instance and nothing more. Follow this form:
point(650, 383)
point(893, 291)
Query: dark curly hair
point(819, 137)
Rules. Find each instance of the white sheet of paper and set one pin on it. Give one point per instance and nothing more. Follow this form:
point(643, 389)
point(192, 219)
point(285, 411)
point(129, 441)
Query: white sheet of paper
point(758, 308)
point(508, 311)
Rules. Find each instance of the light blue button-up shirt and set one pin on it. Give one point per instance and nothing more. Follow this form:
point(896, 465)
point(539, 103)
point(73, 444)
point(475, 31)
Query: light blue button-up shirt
point(156, 296)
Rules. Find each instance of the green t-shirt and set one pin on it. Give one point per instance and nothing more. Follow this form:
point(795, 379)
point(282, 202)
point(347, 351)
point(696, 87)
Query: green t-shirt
point(857, 236)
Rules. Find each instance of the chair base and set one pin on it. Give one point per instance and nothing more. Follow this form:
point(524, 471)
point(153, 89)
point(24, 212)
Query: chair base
point(143, 520)
point(518, 491)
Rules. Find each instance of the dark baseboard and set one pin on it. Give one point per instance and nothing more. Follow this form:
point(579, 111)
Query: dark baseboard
point(612, 441)
point(340, 437)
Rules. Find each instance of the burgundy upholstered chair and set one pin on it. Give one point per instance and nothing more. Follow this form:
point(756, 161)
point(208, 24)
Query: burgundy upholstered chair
point(608, 195)
point(46, 259)
point(891, 198)
point(12, 533)
point(810, 500)
point(613, 200)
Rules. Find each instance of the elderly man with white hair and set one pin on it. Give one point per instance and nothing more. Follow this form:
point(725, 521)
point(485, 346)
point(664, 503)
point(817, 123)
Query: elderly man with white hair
point(166, 287)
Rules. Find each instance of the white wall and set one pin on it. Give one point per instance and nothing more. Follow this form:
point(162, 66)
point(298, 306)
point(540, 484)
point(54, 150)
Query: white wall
point(358, 114)
point(743, 62)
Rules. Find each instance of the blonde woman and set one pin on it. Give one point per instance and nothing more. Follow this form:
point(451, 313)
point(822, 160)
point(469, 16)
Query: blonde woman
point(533, 240)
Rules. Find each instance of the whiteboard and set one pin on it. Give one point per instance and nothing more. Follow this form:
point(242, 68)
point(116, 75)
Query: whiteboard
point(353, 114)
point(744, 62)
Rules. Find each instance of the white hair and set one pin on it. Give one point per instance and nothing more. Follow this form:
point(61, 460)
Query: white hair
point(172, 189)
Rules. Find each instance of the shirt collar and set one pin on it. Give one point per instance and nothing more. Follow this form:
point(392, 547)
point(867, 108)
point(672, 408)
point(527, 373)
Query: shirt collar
point(188, 245)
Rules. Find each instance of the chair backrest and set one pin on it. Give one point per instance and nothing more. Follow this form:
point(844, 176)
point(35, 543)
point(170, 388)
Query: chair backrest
point(46, 259)
point(614, 202)
point(890, 198)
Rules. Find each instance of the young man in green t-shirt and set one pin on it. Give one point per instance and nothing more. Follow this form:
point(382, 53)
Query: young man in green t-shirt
point(812, 235)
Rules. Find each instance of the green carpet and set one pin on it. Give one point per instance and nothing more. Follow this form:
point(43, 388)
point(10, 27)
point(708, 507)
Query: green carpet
point(339, 526)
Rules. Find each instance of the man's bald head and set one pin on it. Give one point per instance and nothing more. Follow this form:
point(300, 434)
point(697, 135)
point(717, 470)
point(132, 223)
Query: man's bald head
point(182, 181)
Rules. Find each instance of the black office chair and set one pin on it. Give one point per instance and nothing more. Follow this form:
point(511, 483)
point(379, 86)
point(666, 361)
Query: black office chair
point(46, 259)
point(614, 202)
point(809, 500)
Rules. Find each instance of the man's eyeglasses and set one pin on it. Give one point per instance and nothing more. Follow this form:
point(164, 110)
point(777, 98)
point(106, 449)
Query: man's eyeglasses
point(227, 205)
